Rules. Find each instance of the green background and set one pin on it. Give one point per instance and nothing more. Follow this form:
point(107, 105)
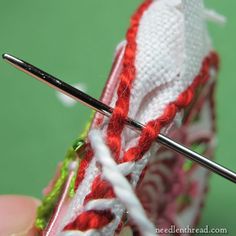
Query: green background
point(75, 41)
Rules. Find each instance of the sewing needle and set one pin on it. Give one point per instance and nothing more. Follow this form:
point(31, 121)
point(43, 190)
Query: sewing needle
point(107, 111)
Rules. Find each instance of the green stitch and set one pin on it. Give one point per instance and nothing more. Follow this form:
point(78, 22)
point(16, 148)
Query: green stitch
point(45, 210)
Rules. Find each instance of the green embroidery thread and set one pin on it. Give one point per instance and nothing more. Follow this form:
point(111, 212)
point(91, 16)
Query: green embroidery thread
point(45, 210)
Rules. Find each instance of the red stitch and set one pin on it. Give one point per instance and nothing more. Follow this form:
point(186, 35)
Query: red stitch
point(149, 133)
point(126, 78)
point(100, 189)
point(91, 220)
point(83, 166)
point(171, 109)
point(185, 98)
point(114, 142)
point(130, 154)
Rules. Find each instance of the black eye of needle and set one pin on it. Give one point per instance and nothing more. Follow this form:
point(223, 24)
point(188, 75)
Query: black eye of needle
point(107, 111)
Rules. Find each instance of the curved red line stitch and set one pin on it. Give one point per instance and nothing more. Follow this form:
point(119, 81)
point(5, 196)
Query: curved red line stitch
point(126, 78)
point(115, 126)
point(117, 120)
point(152, 128)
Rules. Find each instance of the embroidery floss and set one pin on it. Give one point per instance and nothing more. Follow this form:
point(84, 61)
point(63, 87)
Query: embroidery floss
point(122, 188)
point(138, 68)
point(163, 78)
point(153, 75)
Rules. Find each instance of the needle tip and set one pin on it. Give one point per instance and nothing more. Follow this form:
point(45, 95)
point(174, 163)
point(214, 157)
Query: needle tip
point(11, 59)
point(4, 55)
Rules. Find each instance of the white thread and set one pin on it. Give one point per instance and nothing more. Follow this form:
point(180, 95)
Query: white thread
point(126, 168)
point(73, 166)
point(90, 232)
point(214, 16)
point(121, 186)
point(76, 206)
point(100, 204)
point(68, 101)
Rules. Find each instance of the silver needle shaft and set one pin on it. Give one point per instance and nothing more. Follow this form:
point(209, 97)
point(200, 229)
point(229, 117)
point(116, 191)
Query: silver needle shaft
point(107, 111)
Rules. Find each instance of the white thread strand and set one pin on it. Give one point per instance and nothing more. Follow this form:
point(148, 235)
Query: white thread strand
point(91, 232)
point(121, 186)
point(214, 16)
point(100, 204)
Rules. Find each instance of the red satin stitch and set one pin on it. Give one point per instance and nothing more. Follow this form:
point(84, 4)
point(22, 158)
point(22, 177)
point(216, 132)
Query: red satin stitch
point(100, 189)
point(83, 166)
point(91, 220)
